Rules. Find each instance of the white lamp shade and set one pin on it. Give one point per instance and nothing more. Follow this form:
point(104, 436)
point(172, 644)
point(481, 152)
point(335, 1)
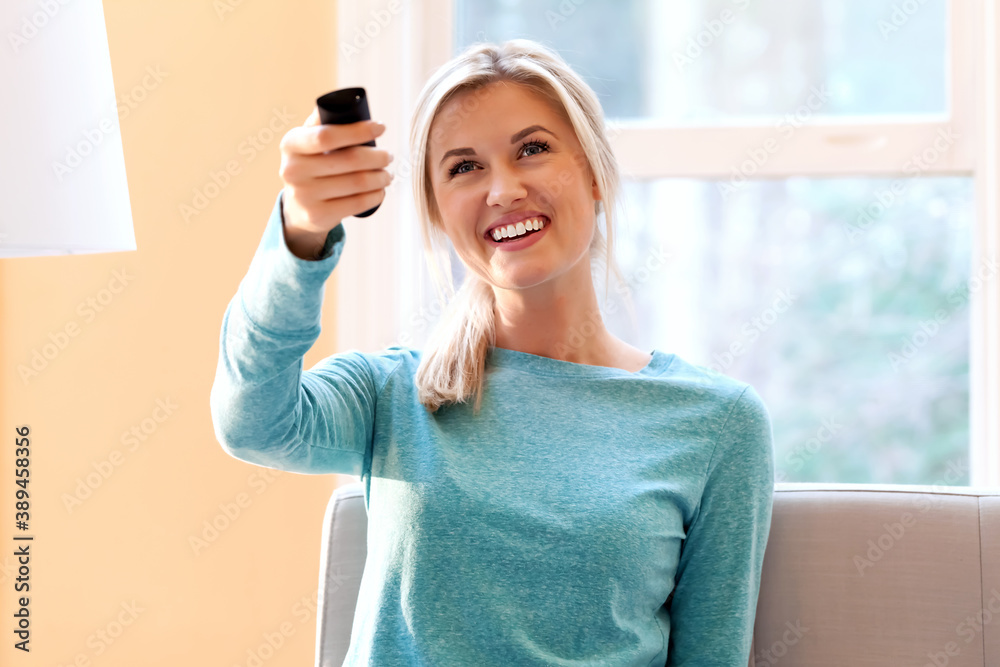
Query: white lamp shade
point(62, 169)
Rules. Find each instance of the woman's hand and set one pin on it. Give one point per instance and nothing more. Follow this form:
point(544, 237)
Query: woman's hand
point(328, 176)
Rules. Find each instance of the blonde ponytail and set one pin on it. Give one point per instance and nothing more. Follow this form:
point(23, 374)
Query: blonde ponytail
point(452, 366)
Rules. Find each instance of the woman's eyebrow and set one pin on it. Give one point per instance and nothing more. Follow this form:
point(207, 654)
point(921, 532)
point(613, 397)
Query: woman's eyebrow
point(519, 135)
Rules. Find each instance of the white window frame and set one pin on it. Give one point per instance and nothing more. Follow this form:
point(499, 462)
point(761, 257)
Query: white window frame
point(391, 47)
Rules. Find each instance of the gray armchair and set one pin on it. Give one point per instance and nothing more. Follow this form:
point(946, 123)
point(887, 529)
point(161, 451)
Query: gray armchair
point(854, 574)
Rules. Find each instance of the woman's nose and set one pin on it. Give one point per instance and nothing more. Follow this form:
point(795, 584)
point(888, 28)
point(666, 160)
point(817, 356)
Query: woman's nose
point(505, 187)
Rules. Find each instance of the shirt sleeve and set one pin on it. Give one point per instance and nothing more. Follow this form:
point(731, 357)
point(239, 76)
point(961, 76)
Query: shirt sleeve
point(265, 409)
point(714, 601)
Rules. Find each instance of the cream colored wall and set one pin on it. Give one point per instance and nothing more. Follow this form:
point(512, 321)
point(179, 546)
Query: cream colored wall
point(156, 341)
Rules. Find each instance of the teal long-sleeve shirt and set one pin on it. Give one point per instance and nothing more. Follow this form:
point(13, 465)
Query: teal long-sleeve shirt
point(586, 516)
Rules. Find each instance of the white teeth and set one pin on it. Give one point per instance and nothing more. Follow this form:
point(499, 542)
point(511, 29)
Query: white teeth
point(519, 229)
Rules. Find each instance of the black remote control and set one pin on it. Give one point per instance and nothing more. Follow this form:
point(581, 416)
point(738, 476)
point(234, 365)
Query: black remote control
point(347, 105)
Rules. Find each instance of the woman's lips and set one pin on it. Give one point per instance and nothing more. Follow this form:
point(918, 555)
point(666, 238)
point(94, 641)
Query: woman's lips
point(528, 215)
point(524, 241)
point(544, 218)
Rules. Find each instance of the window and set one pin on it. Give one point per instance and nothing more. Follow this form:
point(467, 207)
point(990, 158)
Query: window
point(716, 61)
point(810, 207)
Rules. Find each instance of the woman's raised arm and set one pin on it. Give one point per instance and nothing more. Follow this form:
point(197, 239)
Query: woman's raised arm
point(265, 408)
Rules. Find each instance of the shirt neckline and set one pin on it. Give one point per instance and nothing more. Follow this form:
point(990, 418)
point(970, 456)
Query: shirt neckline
point(500, 357)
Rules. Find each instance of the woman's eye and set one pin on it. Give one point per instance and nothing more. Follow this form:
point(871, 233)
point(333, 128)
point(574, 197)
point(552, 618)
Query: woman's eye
point(540, 145)
point(453, 171)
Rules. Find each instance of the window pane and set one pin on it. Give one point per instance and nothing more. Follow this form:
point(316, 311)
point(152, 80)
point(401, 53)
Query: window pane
point(716, 61)
point(845, 305)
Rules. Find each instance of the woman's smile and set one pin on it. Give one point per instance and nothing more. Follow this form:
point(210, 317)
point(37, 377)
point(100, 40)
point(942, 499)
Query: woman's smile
point(523, 236)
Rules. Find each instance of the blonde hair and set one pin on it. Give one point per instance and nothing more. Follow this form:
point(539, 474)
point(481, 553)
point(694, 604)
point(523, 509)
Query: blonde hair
point(453, 362)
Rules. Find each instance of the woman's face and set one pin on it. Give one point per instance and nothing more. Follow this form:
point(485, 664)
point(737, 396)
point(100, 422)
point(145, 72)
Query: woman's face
point(504, 151)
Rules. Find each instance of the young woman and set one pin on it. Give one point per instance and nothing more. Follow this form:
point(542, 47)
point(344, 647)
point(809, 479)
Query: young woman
point(594, 504)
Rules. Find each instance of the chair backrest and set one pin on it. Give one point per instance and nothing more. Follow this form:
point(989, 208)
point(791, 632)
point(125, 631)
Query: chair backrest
point(854, 574)
point(342, 562)
point(865, 574)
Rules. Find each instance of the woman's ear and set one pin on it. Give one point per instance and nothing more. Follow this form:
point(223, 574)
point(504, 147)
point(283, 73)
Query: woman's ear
point(595, 190)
